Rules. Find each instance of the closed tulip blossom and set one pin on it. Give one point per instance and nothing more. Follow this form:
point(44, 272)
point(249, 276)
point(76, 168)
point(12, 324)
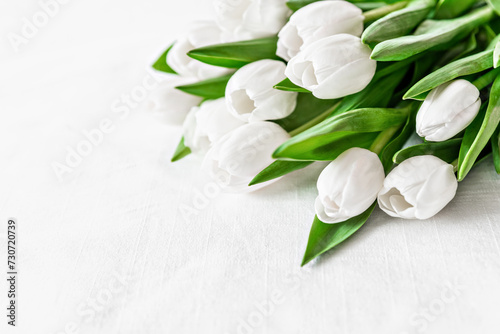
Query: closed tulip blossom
point(447, 110)
point(243, 153)
point(170, 103)
point(349, 185)
point(333, 67)
point(250, 94)
point(329, 18)
point(418, 188)
point(203, 34)
point(206, 124)
point(249, 19)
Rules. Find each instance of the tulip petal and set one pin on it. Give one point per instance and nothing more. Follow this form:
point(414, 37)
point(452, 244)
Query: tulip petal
point(438, 190)
point(243, 153)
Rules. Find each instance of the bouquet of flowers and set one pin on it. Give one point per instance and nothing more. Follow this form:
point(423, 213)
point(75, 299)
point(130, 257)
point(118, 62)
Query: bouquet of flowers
point(272, 86)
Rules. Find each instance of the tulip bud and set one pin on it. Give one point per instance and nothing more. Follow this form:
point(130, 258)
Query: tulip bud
point(349, 185)
point(418, 188)
point(207, 124)
point(333, 67)
point(250, 19)
point(250, 94)
point(203, 34)
point(243, 153)
point(172, 104)
point(447, 110)
point(328, 18)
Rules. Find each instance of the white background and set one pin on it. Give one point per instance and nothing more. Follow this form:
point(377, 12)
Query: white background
point(117, 213)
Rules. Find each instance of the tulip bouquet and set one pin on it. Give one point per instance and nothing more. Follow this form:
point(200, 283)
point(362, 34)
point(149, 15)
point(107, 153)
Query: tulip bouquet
point(272, 86)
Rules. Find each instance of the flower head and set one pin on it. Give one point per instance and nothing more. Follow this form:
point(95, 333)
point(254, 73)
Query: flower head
point(172, 104)
point(203, 34)
point(447, 110)
point(207, 124)
point(250, 94)
point(349, 185)
point(243, 153)
point(249, 19)
point(418, 188)
point(316, 21)
point(333, 67)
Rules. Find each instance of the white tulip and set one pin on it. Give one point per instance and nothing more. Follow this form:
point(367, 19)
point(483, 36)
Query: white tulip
point(418, 188)
point(349, 185)
point(203, 34)
point(316, 21)
point(249, 19)
point(250, 94)
point(333, 67)
point(243, 153)
point(447, 110)
point(206, 124)
point(169, 102)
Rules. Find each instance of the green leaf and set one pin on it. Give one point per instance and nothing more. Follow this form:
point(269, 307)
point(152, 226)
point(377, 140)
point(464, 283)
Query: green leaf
point(488, 32)
point(289, 86)
point(495, 146)
point(238, 54)
point(471, 133)
point(378, 93)
point(209, 89)
point(298, 4)
point(323, 237)
point(308, 108)
point(327, 147)
point(378, 13)
point(398, 23)
point(495, 4)
point(448, 9)
point(430, 34)
point(422, 68)
point(496, 56)
point(465, 66)
point(460, 50)
point(366, 6)
point(471, 150)
point(354, 128)
point(363, 4)
point(494, 43)
point(182, 151)
point(278, 169)
point(162, 65)
point(447, 151)
point(398, 142)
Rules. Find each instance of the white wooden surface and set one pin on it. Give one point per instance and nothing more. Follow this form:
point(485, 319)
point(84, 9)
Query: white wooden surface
point(234, 266)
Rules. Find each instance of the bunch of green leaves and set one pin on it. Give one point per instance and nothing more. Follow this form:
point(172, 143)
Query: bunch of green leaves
point(432, 34)
point(420, 45)
point(324, 237)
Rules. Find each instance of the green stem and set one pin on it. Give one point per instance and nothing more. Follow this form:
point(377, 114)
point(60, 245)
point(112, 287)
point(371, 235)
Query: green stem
point(375, 14)
point(486, 79)
point(383, 139)
point(366, 6)
point(387, 135)
point(396, 66)
point(314, 121)
point(455, 165)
